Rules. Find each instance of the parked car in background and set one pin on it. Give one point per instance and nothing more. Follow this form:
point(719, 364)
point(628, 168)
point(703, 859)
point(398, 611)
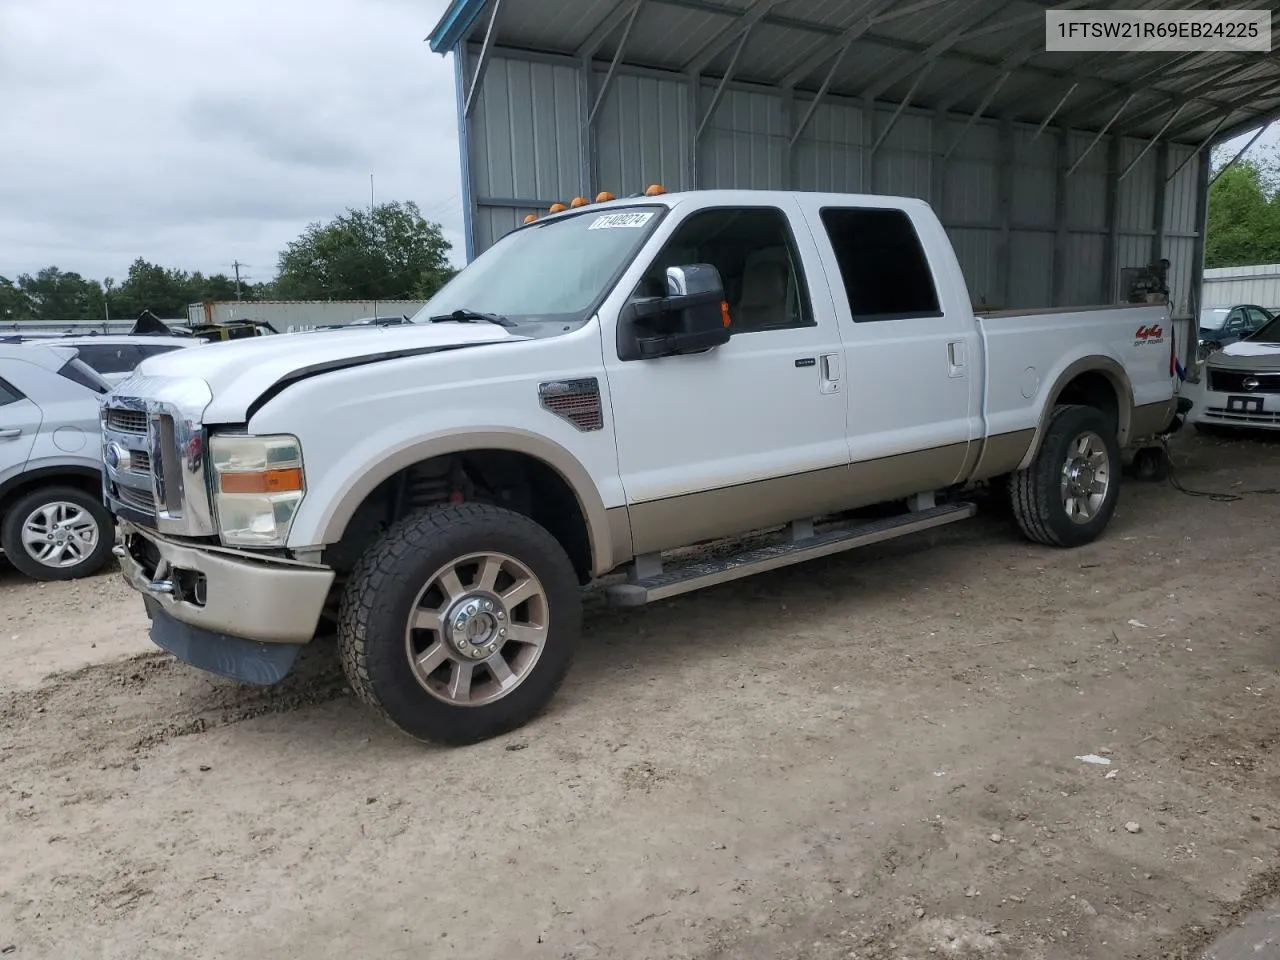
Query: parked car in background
point(53, 525)
point(1220, 326)
point(114, 357)
point(1241, 383)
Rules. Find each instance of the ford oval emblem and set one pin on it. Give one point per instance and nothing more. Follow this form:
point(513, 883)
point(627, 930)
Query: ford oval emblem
point(117, 457)
point(1252, 383)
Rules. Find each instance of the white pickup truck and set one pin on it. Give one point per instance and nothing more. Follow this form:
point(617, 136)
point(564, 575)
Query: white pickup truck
point(600, 390)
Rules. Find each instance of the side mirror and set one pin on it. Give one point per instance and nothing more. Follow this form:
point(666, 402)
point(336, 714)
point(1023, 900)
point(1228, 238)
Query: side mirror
point(691, 318)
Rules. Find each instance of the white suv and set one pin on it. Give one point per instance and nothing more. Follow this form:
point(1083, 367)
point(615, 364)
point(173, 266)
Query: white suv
point(114, 356)
point(53, 525)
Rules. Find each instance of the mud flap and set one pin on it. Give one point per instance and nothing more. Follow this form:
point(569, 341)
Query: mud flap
point(233, 657)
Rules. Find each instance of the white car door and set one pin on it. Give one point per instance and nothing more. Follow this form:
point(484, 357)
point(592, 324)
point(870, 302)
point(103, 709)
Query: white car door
point(751, 432)
point(913, 367)
point(20, 419)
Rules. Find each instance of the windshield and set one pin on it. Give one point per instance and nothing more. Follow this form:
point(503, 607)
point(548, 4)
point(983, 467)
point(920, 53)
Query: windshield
point(556, 270)
point(1213, 319)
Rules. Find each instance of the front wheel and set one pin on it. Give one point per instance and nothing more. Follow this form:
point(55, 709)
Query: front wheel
point(58, 533)
point(1068, 494)
point(460, 623)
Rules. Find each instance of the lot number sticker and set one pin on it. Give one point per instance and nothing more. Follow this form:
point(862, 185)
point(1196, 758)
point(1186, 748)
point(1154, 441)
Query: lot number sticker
point(611, 221)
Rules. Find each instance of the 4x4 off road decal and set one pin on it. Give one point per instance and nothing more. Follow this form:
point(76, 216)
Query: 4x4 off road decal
point(1148, 334)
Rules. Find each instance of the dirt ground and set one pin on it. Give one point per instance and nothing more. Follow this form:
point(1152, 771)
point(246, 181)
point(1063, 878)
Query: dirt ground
point(870, 756)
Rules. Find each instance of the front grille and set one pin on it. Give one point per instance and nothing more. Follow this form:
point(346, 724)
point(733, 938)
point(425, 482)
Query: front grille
point(138, 499)
point(140, 461)
point(1241, 381)
point(127, 421)
point(1223, 415)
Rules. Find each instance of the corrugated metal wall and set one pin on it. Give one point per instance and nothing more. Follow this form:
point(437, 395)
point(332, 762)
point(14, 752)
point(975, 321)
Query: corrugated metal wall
point(1020, 244)
point(1258, 284)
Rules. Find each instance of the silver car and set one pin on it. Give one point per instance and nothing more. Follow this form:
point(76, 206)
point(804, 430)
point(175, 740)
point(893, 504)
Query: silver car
point(53, 525)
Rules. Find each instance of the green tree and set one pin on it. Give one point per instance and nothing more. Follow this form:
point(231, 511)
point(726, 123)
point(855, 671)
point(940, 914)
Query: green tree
point(149, 286)
point(1244, 215)
point(57, 295)
point(391, 253)
point(14, 302)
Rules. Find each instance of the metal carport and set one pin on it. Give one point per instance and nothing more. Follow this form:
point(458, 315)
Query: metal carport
point(1051, 171)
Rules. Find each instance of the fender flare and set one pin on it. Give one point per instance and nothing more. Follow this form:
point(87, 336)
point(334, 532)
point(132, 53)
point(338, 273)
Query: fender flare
point(609, 539)
point(1115, 375)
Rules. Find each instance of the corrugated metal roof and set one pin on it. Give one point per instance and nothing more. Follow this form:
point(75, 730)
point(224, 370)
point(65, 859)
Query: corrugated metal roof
point(966, 46)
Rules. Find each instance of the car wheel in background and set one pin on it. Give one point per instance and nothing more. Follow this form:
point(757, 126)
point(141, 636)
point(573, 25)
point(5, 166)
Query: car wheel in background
point(57, 533)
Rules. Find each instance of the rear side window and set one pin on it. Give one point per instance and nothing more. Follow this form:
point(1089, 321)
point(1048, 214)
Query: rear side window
point(77, 371)
point(882, 264)
point(9, 393)
point(154, 349)
point(110, 357)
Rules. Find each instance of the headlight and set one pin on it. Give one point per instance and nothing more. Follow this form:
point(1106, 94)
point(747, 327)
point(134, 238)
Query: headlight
point(257, 485)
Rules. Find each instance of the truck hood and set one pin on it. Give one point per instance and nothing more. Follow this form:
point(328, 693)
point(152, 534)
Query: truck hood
point(1247, 355)
point(240, 372)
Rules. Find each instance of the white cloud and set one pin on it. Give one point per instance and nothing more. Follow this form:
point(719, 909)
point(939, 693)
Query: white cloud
point(197, 133)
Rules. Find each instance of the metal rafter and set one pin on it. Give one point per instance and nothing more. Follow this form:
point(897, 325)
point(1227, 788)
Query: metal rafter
point(1228, 108)
point(822, 92)
point(1203, 90)
point(1152, 142)
point(1243, 150)
point(482, 64)
point(724, 82)
point(1054, 112)
point(902, 106)
point(986, 101)
point(1100, 134)
point(728, 34)
point(603, 30)
point(837, 46)
point(906, 65)
point(617, 56)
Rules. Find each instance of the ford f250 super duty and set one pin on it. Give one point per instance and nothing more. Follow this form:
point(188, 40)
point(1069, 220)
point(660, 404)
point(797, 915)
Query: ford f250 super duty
point(600, 390)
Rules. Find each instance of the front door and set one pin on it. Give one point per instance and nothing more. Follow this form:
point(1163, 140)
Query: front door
point(914, 370)
point(749, 433)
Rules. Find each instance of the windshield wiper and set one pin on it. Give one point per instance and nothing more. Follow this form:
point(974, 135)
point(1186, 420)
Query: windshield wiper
point(471, 316)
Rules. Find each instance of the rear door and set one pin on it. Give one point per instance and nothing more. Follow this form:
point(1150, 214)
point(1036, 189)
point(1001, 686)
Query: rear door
point(20, 419)
point(913, 362)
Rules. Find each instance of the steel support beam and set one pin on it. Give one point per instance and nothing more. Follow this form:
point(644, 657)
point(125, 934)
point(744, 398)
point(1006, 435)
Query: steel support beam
point(1192, 155)
point(1060, 237)
point(1004, 199)
point(1054, 112)
point(1152, 142)
point(837, 46)
point(1161, 183)
point(724, 81)
point(868, 138)
point(613, 64)
point(1237, 104)
point(1196, 295)
point(986, 101)
point(1111, 265)
point(1100, 134)
point(1243, 150)
point(729, 33)
point(893, 121)
point(603, 30)
point(482, 64)
point(822, 92)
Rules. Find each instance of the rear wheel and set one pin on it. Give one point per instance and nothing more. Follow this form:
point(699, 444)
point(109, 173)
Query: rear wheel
point(1067, 495)
point(59, 533)
point(460, 623)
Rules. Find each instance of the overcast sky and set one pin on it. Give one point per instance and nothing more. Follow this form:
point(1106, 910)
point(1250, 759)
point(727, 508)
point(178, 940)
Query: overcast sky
point(197, 132)
point(194, 133)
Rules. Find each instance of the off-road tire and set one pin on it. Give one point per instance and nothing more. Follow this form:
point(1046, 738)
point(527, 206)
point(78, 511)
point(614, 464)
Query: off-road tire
point(18, 511)
point(380, 593)
point(1035, 493)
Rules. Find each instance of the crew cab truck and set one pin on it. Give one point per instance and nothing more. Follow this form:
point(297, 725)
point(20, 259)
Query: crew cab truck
point(598, 391)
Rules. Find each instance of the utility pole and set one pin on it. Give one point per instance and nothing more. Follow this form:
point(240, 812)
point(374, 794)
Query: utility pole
point(373, 230)
point(236, 264)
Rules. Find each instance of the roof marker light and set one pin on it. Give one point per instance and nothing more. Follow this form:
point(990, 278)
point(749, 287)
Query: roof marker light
point(558, 208)
point(579, 202)
point(604, 196)
point(654, 190)
point(531, 218)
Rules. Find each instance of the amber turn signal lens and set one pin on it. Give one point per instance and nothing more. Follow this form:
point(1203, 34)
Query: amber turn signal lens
point(287, 480)
point(604, 196)
point(654, 190)
point(579, 202)
point(531, 218)
point(724, 313)
point(558, 208)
